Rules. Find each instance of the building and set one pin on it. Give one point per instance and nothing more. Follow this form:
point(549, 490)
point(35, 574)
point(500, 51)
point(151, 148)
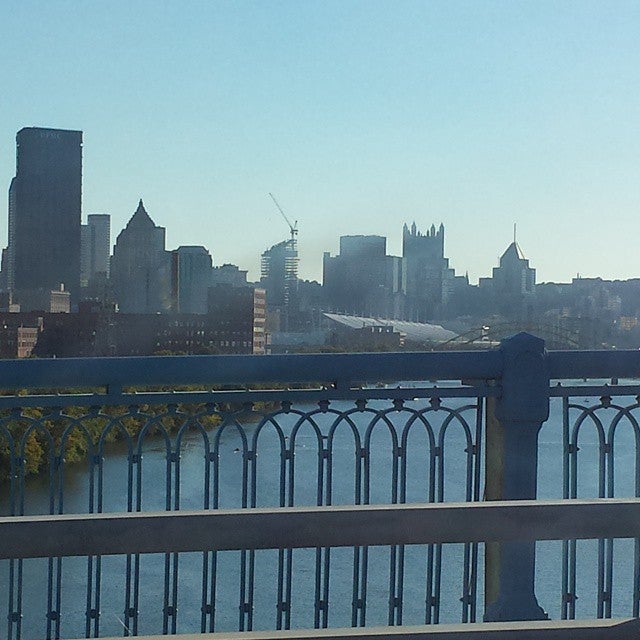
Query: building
point(95, 246)
point(279, 279)
point(362, 280)
point(239, 315)
point(431, 283)
point(190, 278)
point(237, 328)
point(140, 267)
point(19, 333)
point(7, 303)
point(45, 199)
point(381, 334)
point(229, 274)
point(60, 301)
point(512, 285)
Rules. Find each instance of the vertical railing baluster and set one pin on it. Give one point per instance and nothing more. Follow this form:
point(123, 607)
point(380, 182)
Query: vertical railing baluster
point(214, 459)
point(287, 483)
point(360, 558)
point(402, 498)
point(175, 455)
point(206, 607)
point(395, 551)
point(130, 612)
point(14, 465)
point(251, 562)
point(602, 594)
point(573, 545)
point(567, 594)
point(92, 612)
point(52, 614)
point(636, 545)
point(470, 450)
point(170, 559)
point(364, 561)
point(430, 601)
point(323, 499)
point(135, 609)
point(245, 559)
point(472, 589)
point(609, 544)
point(285, 556)
point(636, 578)
point(437, 561)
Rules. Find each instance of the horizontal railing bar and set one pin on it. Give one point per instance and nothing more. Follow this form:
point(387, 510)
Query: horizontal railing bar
point(305, 527)
point(342, 369)
point(295, 395)
point(596, 391)
point(612, 629)
point(240, 396)
point(594, 364)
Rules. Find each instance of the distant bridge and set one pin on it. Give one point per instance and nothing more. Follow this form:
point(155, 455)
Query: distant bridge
point(555, 337)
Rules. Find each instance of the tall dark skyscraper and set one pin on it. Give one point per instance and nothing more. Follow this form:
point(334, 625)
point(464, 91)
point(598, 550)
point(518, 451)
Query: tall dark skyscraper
point(44, 214)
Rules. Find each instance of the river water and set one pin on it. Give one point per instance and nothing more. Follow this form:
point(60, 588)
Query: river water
point(74, 575)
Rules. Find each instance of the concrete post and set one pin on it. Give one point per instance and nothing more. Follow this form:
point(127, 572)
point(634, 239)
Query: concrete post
point(512, 464)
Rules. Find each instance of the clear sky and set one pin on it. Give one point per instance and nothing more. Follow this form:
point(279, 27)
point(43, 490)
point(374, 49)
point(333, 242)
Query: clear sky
point(357, 115)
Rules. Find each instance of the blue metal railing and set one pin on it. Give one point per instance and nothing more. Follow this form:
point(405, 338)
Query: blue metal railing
point(336, 434)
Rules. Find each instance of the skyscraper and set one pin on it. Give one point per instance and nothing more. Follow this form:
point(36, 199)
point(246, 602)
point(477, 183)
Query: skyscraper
point(140, 266)
point(279, 279)
point(44, 215)
point(95, 246)
point(363, 280)
point(191, 278)
point(512, 286)
point(430, 280)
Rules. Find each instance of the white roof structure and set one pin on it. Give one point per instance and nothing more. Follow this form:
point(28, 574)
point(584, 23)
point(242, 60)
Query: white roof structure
point(413, 331)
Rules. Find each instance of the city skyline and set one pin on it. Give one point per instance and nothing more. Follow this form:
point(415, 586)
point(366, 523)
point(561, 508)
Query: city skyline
point(107, 252)
point(357, 116)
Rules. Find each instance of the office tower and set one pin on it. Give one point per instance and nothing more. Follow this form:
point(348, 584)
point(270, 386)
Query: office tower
point(239, 315)
point(279, 279)
point(430, 280)
point(44, 215)
point(140, 266)
point(363, 280)
point(512, 286)
point(95, 246)
point(191, 278)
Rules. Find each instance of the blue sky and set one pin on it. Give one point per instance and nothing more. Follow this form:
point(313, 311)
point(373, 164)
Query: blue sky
point(358, 116)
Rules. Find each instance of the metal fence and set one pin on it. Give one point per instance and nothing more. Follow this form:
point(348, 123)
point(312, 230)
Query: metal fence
point(213, 432)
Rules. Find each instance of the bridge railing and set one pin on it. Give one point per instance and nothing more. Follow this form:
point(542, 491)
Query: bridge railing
point(219, 432)
point(331, 527)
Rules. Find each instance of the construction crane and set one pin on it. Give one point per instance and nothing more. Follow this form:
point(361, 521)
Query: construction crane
point(293, 228)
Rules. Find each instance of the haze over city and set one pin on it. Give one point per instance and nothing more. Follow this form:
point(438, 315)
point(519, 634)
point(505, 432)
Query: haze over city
point(358, 116)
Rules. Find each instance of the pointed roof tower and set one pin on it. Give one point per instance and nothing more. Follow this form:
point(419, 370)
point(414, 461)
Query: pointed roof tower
point(141, 218)
point(513, 251)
